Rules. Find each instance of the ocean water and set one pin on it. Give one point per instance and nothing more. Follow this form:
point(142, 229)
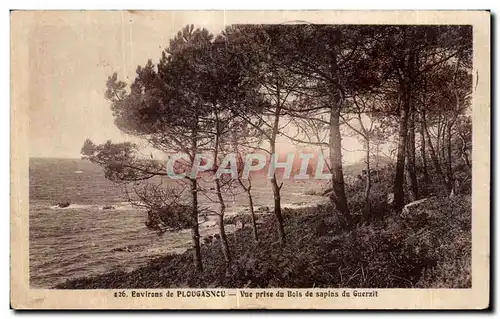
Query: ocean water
point(84, 240)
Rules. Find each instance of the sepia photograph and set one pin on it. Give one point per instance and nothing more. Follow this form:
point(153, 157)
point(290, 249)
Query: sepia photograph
point(198, 156)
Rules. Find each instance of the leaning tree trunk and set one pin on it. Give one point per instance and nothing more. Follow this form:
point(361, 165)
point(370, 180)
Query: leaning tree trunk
point(248, 190)
point(252, 212)
point(222, 230)
point(195, 233)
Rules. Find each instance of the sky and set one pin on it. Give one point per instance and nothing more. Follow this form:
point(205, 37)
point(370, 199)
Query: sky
point(71, 54)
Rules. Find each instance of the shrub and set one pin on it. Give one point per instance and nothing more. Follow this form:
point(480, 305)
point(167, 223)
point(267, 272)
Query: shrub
point(241, 218)
point(314, 192)
point(447, 240)
point(173, 217)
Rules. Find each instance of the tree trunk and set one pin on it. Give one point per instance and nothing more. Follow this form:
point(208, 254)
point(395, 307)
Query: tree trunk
point(423, 148)
point(438, 140)
point(449, 169)
point(368, 185)
point(222, 231)
point(224, 243)
point(434, 158)
point(277, 209)
point(252, 212)
point(248, 190)
point(406, 110)
point(337, 196)
point(443, 143)
point(465, 155)
point(218, 188)
point(401, 155)
point(410, 152)
point(466, 160)
point(274, 183)
point(195, 233)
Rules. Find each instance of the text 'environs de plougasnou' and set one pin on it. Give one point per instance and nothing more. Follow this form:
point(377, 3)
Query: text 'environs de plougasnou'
point(248, 294)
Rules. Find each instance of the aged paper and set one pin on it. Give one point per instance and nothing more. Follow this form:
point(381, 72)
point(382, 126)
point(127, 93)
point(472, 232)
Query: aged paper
point(297, 160)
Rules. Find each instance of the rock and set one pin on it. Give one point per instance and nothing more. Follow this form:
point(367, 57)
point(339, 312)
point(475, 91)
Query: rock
point(63, 204)
point(409, 208)
point(108, 207)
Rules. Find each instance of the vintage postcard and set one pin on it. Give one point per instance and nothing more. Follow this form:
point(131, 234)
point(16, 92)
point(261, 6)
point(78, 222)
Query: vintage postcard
point(250, 159)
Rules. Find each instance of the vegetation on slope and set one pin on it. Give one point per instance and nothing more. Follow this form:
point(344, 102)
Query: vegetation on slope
point(430, 248)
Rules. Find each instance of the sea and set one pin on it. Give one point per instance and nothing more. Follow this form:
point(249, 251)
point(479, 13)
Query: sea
point(84, 239)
